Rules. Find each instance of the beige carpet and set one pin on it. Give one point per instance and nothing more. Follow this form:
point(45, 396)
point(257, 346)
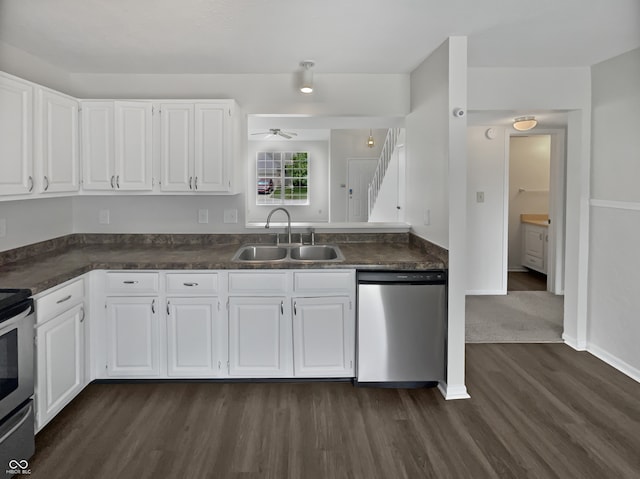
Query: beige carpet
point(518, 317)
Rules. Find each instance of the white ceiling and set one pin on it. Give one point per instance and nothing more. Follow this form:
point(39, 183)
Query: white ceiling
point(341, 36)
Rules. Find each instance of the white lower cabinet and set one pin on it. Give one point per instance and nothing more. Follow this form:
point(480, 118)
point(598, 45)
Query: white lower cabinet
point(259, 337)
point(323, 337)
point(132, 336)
point(60, 362)
point(193, 338)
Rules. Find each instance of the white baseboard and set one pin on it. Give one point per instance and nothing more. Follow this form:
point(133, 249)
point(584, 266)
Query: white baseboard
point(486, 292)
point(573, 342)
point(453, 392)
point(517, 270)
point(611, 360)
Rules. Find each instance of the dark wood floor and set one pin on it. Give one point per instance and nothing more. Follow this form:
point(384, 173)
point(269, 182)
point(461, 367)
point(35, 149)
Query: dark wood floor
point(537, 411)
point(526, 281)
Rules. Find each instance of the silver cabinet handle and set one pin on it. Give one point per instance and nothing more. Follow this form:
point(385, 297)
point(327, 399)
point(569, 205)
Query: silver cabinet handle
point(190, 182)
point(118, 181)
point(67, 298)
point(190, 284)
point(153, 306)
point(113, 179)
point(195, 183)
point(83, 315)
point(295, 308)
point(46, 183)
point(168, 310)
point(129, 282)
point(281, 307)
point(30, 184)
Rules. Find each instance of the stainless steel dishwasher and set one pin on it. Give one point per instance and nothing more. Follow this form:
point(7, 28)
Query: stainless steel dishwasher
point(401, 328)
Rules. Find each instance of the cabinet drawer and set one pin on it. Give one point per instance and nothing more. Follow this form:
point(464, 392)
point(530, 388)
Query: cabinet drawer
point(321, 281)
point(254, 282)
point(534, 262)
point(192, 283)
point(132, 282)
point(55, 302)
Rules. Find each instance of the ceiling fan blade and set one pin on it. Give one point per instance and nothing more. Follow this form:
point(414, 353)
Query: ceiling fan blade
point(291, 133)
point(285, 135)
point(262, 133)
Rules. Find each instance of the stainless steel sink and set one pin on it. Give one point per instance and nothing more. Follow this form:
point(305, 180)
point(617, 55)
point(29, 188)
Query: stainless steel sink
point(322, 252)
point(293, 253)
point(260, 253)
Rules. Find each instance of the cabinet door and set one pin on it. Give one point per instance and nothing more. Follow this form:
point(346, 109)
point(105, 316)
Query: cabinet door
point(534, 240)
point(60, 363)
point(98, 172)
point(212, 147)
point(16, 136)
point(132, 336)
point(323, 337)
point(58, 142)
point(176, 151)
point(133, 122)
point(193, 339)
point(259, 338)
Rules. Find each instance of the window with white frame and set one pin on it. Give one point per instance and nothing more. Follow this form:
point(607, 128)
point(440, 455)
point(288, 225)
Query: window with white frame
point(282, 178)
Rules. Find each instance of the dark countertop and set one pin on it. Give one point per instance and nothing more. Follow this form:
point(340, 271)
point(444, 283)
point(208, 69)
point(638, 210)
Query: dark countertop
point(46, 270)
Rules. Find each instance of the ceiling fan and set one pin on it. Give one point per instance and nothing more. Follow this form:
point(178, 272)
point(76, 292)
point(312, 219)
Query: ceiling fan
point(277, 132)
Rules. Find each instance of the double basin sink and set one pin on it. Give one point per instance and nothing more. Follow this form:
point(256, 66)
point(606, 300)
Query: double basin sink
point(293, 253)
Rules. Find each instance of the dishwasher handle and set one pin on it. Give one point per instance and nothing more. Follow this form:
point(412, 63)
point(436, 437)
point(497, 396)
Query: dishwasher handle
point(402, 277)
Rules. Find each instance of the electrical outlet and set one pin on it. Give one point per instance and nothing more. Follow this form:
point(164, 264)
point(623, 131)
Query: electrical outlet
point(203, 216)
point(3, 228)
point(479, 196)
point(104, 217)
point(231, 216)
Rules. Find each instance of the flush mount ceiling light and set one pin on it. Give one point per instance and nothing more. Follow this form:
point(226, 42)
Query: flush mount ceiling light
point(307, 77)
point(524, 123)
point(370, 142)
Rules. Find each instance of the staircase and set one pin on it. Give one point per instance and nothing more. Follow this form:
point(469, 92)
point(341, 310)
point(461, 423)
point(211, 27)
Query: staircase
point(381, 169)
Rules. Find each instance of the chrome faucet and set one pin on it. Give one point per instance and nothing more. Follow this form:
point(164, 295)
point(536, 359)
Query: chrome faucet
point(288, 230)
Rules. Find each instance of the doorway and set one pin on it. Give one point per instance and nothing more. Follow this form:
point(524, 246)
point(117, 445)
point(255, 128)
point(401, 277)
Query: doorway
point(359, 174)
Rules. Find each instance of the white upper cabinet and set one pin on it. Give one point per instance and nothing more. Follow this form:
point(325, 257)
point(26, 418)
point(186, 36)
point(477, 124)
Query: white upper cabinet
point(16, 136)
point(98, 160)
point(116, 145)
point(57, 142)
point(196, 151)
point(176, 150)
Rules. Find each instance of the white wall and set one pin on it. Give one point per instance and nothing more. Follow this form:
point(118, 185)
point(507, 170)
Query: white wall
point(563, 89)
point(31, 221)
point(485, 221)
point(614, 273)
point(345, 144)
point(318, 209)
point(529, 168)
point(436, 180)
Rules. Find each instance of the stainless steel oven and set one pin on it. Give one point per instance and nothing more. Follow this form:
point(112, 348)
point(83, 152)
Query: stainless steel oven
point(17, 427)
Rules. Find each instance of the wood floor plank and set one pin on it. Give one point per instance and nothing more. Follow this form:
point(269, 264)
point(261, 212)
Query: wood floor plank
point(536, 411)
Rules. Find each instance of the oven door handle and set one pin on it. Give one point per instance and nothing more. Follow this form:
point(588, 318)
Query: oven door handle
point(20, 421)
point(8, 324)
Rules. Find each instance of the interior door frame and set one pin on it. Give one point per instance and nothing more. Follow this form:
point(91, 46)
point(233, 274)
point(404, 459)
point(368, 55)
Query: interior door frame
point(557, 207)
point(349, 162)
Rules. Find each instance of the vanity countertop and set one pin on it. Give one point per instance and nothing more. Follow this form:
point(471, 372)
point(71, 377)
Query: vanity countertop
point(50, 268)
point(535, 219)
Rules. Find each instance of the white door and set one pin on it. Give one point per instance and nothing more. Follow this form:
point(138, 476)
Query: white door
point(16, 136)
point(58, 142)
point(359, 175)
point(323, 337)
point(132, 336)
point(60, 362)
point(193, 339)
point(259, 340)
point(176, 150)
point(133, 122)
point(98, 163)
point(212, 139)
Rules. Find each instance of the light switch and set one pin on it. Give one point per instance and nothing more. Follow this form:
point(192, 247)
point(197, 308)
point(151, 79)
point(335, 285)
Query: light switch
point(203, 216)
point(479, 196)
point(231, 216)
